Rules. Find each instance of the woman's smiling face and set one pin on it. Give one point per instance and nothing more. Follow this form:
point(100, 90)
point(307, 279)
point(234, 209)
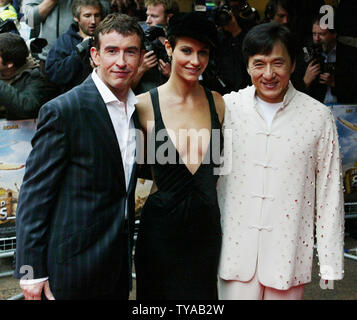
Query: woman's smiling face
point(189, 58)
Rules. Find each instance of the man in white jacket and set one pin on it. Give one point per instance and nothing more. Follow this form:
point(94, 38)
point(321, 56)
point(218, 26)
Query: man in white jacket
point(285, 178)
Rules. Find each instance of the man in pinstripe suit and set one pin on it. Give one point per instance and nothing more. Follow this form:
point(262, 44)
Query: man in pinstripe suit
point(76, 205)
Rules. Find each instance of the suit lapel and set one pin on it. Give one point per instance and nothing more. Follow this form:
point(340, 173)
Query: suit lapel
point(137, 150)
point(99, 119)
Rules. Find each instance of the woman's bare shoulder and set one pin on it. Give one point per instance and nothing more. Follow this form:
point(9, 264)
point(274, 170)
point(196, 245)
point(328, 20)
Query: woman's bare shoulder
point(144, 101)
point(144, 109)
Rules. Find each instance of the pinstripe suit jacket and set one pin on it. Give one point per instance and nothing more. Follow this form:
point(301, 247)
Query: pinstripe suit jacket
point(71, 210)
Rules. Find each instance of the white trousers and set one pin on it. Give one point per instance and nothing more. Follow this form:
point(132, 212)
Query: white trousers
point(254, 290)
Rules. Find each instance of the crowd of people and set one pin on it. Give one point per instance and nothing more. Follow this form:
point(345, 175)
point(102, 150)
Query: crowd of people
point(104, 80)
point(326, 67)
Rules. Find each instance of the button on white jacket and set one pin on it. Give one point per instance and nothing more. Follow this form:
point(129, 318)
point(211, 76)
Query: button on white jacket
point(284, 180)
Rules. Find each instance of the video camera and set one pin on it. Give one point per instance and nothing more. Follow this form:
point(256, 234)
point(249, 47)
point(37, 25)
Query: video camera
point(153, 43)
point(83, 48)
point(8, 26)
point(314, 52)
point(242, 11)
point(245, 10)
point(222, 16)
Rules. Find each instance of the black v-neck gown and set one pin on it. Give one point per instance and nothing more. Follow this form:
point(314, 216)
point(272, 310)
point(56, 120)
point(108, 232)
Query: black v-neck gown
point(179, 238)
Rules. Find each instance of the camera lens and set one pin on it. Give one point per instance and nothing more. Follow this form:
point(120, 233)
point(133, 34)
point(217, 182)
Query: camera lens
point(222, 17)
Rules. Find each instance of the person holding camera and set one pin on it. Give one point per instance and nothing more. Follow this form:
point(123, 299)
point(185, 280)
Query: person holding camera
point(330, 72)
point(51, 18)
point(319, 76)
point(68, 61)
point(277, 10)
point(154, 70)
point(229, 72)
point(22, 86)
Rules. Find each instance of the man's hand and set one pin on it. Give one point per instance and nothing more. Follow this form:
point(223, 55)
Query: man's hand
point(33, 291)
point(149, 62)
point(312, 71)
point(328, 79)
point(165, 68)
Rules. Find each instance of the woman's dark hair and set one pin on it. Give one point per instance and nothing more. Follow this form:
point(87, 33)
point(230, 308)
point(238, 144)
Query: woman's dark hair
point(193, 25)
point(13, 49)
point(262, 38)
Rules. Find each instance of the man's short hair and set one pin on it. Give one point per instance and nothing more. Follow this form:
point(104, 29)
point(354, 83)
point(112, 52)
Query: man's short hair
point(13, 49)
point(272, 8)
point(78, 4)
point(318, 18)
point(122, 24)
point(169, 5)
point(262, 38)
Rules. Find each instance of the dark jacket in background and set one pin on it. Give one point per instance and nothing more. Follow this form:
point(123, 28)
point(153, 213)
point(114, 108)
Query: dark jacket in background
point(64, 67)
point(229, 65)
point(22, 96)
point(345, 76)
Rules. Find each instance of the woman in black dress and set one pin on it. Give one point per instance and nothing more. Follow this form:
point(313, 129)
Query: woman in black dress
point(179, 240)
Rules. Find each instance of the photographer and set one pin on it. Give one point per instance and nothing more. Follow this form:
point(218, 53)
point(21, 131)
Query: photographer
point(330, 75)
point(229, 72)
point(22, 86)
point(68, 63)
point(51, 18)
point(277, 10)
point(155, 68)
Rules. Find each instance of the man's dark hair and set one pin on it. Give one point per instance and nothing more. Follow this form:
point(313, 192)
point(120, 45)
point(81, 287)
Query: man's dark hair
point(78, 4)
point(272, 8)
point(13, 49)
point(317, 19)
point(262, 38)
point(170, 6)
point(122, 24)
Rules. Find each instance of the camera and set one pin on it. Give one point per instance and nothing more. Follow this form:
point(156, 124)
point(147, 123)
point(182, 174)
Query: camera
point(242, 11)
point(222, 16)
point(8, 26)
point(83, 48)
point(245, 10)
point(314, 52)
point(153, 43)
point(36, 45)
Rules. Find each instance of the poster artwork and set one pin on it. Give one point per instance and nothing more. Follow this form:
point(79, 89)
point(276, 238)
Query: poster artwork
point(15, 146)
point(346, 121)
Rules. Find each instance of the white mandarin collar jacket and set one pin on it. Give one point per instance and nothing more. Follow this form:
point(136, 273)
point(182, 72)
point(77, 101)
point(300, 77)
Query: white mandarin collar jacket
point(284, 180)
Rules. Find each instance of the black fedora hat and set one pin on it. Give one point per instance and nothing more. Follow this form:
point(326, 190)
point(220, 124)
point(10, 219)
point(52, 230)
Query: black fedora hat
point(193, 25)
